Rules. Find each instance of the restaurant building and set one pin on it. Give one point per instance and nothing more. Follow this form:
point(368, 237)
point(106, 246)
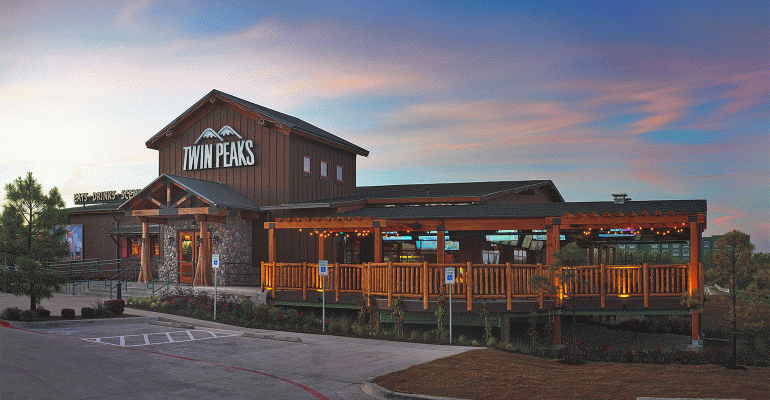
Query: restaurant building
point(272, 195)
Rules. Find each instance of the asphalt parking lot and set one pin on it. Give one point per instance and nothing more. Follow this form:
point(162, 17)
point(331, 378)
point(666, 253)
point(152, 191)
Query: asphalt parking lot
point(126, 359)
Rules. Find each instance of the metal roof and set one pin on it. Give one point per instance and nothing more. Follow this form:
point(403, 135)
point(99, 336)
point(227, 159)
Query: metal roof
point(525, 210)
point(285, 119)
point(214, 193)
point(133, 230)
point(431, 191)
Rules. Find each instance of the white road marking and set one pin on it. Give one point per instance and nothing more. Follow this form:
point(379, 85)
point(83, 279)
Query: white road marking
point(157, 338)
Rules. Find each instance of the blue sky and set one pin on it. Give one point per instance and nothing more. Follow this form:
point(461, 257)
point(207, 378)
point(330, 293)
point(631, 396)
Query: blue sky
point(658, 99)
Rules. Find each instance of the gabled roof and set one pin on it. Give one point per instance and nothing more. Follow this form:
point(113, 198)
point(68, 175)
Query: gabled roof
point(213, 193)
point(468, 192)
point(292, 124)
point(528, 210)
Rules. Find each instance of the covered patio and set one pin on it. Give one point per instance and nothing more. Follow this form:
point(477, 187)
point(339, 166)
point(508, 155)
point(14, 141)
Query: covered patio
point(491, 247)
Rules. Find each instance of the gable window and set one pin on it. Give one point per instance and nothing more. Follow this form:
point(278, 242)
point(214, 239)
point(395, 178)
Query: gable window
point(339, 173)
point(307, 166)
point(324, 169)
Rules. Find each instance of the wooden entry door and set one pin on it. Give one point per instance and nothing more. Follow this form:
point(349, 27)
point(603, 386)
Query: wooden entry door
point(188, 255)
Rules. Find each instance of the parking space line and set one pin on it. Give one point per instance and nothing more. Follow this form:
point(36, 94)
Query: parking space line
point(158, 338)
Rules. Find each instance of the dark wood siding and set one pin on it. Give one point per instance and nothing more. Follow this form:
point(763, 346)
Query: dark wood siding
point(277, 175)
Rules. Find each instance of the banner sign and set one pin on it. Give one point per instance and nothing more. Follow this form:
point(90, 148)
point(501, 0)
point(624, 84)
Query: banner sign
point(109, 196)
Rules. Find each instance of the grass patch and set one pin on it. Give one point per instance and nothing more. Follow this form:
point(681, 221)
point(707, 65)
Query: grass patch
point(493, 374)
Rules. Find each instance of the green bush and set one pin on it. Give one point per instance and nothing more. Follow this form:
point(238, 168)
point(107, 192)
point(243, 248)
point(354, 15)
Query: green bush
point(115, 306)
point(42, 313)
point(87, 312)
point(27, 315)
point(67, 313)
point(415, 335)
point(11, 314)
point(462, 339)
point(428, 336)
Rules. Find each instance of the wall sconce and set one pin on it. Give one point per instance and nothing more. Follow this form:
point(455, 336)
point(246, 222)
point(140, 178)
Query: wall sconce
point(140, 241)
point(216, 240)
point(170, 240)
point(194, 223)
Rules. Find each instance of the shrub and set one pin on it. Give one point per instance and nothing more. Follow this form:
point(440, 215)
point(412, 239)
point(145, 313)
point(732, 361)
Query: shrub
point(475, 342)
point(115, 306)
point(11, 314)
point(67, 313)
point(27, 315)
point(444, 336)
point(491, 342)
point(462, 339)
point(428, 336)
point(88, 312)
point(415, 335)
point(42, 313)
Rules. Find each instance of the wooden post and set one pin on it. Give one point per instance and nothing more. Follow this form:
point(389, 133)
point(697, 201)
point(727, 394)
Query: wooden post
point(646, 283)
point(262, 280)
point(145, 274)
point(603, 285)
point(203, 267)
point(469, 286)
point(540, 290)
point(591, 255)
point(425, 286)
point(304, 281)
point(695, 278)
point(390, 282)
point(337, 277)
point(377, 244)
point(274, 280)
point(368, 284)
point(441, 245)
point(321, 248)
point(271, 245)
point(508, 289)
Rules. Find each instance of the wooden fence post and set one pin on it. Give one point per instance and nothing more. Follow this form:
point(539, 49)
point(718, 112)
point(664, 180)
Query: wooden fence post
point(304, 281)
point(540, 289)
point(646, 284)
point(425, 286)
point(508, 286)
point(337, 282)
point(469, 286)
point(274, 279)
point(603, 285)
point(390, 282)
point(262, 280)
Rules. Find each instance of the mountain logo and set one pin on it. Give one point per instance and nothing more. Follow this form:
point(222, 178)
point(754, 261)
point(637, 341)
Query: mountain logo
point(223, 132)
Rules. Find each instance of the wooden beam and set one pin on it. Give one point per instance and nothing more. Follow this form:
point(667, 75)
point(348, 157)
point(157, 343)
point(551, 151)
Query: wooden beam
point(378, 244)
point(154, 201)
point(180, 201)
point(327, 224)
point(179, 211)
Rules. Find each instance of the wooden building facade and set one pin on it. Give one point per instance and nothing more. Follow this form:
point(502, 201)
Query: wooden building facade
point(273, 195)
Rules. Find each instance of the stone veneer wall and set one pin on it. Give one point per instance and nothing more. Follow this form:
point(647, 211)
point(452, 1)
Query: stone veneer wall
point(233, 246)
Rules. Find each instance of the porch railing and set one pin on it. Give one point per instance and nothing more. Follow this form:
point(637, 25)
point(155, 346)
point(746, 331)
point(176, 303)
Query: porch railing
point(478, 281)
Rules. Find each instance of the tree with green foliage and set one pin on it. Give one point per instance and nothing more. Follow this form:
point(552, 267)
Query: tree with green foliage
point(563, 266)
point(733, 267)
point(32, 234)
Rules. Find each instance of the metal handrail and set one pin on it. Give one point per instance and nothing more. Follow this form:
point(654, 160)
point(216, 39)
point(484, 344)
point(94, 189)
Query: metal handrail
point(227, 274)
point(109, 282)
point(166, 285)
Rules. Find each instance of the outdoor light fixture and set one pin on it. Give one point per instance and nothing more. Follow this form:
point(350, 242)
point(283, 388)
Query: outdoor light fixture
point(216, 239)
point(170, 240)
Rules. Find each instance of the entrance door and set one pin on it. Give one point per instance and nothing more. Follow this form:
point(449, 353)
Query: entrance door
point(188, 255)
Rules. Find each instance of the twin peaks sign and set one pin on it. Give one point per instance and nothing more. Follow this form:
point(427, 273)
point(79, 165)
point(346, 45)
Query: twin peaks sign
point(221, 154)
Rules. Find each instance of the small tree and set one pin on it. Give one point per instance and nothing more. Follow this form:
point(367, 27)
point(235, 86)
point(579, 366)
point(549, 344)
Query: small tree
point(565, 261)
point(32, 234)
point(732, 267)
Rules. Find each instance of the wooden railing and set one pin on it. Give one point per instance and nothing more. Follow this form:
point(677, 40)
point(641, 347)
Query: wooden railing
point(478, 281)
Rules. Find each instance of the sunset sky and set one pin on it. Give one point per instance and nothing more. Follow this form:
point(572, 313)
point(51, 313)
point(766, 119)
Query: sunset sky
point(658, 99)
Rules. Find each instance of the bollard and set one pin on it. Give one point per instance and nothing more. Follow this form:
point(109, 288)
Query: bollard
point(119, 284)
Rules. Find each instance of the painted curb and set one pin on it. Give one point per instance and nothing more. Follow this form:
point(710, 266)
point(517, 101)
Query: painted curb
point(170, 323)
point(272, 337)
point(373, 389)
point(77, 322)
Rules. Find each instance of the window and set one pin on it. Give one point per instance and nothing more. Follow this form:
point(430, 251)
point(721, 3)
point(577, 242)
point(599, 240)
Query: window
point(324, 169)
point(686, 251)
point(307, 165)
point(135, 249)
point(339, 173)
